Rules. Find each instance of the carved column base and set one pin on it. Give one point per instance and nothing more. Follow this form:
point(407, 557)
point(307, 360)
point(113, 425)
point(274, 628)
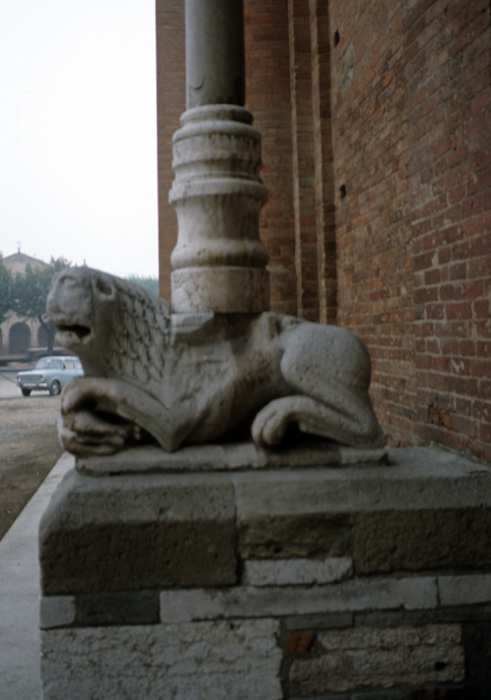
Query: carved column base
point(219, 262)
point(222, 290)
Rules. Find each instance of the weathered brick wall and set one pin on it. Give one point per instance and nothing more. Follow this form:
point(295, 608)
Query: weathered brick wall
point(447, 70)
point(376, 150)
point(375, 276)
point(410, 102)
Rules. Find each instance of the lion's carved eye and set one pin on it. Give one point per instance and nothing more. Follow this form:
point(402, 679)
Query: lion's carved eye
point(104, 287)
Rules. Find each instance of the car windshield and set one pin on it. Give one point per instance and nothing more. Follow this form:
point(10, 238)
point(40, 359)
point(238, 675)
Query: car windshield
point(49, 363)
point(43, 363)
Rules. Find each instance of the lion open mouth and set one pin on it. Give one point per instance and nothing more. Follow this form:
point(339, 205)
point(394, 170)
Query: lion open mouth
point(72, 334)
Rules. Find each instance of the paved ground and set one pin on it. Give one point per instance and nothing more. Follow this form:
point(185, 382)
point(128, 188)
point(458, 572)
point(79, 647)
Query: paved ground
point(8, 387)
point(29, 445)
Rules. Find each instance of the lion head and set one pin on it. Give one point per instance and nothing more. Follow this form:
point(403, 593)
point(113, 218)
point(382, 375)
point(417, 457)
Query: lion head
point(117, 328)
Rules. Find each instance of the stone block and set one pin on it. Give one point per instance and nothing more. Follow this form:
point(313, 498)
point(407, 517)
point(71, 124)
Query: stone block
point(464, 590)
point(296, 571)
point(57, 611)
point(382, 658)
point(231, 457)
point(419, 540)
point(134, 608)
point(320, 621)
point(416, 479)
point(396, 695)
point(296, 535)
point(220, 660)
point(268, 601)
point(118, 534)
point(288, 514)
point(416, 618)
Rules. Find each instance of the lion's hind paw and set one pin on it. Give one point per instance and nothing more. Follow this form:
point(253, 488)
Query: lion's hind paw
point(271, 423)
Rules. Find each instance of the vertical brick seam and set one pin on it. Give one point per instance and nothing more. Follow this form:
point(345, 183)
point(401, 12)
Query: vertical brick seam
point(171, 101)
point(323, 162)
point(303, 169)
point(268, 98)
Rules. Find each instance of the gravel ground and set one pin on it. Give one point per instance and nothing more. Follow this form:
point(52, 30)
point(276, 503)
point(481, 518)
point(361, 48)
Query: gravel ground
point(29, 445)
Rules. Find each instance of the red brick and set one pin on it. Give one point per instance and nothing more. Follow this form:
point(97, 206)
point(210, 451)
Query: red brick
point(481, 308)
point(461, 310)
point(467, 347)
point(300, 642)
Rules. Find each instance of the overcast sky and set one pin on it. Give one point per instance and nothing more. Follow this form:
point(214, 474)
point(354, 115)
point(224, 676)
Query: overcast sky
point(78, 151)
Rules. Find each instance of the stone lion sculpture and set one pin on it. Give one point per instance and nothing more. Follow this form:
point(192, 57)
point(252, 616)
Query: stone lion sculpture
point(187, 378)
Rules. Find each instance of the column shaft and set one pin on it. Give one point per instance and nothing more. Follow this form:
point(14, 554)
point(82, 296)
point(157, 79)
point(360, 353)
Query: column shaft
point(214, 52)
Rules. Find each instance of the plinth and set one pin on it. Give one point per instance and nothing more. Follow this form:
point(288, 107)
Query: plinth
point(176, 576)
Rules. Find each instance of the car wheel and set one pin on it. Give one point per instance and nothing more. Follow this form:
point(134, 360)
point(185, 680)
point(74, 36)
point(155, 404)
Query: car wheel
point(26, 392)
point(55, 388)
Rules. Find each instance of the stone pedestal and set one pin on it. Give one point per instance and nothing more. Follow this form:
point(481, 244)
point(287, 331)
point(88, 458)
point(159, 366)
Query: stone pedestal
point(176, 576)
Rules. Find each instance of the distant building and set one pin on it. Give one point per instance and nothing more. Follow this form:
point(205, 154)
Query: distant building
point(18, 334)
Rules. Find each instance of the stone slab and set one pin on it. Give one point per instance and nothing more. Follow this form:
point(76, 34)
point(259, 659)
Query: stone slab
point(57, 611)
point(133, 608)
point(419, 478)
point(296, 571)
point(470, 613)
point(237, 659)
point(319, 621)
point(249, 601)
point(464, 590)
point(231, 457)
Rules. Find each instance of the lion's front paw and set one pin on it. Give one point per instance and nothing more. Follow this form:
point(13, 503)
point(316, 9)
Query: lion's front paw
point(270, 424)
point(89, 423)
point(85, 433)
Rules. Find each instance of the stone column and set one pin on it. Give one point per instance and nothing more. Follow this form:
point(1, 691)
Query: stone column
point(214, 53)
point(219, 262)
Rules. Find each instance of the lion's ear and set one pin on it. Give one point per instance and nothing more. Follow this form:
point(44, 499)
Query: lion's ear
point(105, 287)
